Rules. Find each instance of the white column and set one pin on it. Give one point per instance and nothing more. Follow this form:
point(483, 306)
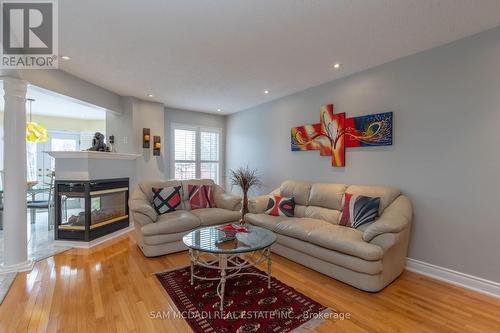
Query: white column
point(14, 214)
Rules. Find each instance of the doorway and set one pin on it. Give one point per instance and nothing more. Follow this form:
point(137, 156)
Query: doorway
point(70, 126)
point(41, 166)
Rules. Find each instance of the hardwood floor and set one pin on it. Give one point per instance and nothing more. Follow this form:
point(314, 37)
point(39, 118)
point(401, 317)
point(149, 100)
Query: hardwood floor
point(111, 288)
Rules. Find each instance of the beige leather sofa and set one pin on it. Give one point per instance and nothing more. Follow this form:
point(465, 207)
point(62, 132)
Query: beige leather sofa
point(368, 258)
point(162, 234)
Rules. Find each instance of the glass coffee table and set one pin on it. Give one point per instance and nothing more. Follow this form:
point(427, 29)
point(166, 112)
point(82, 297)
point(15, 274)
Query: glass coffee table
point(246, 250)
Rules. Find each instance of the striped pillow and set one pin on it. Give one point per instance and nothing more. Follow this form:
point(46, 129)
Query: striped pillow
point(359, 210)
point(201, 196)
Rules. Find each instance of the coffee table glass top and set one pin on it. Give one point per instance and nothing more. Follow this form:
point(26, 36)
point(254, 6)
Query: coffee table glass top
point(206, 239)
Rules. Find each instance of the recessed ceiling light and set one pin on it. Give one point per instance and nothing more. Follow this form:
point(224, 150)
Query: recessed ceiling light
point(336, 66)
point(266, 92)
point(65, 58)
point(150, 95)
point(219, 110)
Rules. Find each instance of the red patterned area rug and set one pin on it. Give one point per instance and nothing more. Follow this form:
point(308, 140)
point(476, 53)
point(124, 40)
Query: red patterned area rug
point(249, 306)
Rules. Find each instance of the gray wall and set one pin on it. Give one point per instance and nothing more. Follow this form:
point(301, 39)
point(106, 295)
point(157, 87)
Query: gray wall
point(150, 115)
point(121, 126)
point(446, 105)
point(127, 127)
point(197, 119)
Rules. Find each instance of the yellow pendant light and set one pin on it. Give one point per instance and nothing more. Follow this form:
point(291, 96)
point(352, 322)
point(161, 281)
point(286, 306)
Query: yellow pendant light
point(35, 132)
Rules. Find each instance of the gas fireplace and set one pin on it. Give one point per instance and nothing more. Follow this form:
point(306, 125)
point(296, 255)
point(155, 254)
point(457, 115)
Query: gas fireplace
point(86, 210)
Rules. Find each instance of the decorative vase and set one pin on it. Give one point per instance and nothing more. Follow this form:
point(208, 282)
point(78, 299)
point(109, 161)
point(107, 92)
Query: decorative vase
point(244, 178)
point(244, 207)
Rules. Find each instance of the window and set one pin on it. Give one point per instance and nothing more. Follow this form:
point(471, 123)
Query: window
point(196, 152)
point(185, 153)
point(209, 157)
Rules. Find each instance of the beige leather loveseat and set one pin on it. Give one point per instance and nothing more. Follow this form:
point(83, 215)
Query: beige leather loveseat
point(368, 258)
point(162, 234)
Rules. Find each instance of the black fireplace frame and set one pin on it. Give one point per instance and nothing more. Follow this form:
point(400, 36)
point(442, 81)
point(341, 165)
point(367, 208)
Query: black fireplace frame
point(88, 186)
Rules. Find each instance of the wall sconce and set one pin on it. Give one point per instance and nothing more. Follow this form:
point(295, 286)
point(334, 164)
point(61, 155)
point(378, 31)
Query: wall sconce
point(156, 146)
point(146, 137)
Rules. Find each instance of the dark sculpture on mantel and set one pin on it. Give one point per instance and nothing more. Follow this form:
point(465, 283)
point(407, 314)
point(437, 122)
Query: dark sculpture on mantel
point(98, 143)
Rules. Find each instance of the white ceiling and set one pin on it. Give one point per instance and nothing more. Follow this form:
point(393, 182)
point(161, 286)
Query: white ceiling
point(48, 103)
point(204, 55)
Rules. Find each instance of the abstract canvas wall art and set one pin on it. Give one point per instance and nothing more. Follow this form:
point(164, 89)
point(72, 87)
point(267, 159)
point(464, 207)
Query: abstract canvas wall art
point(335, 133)
point(333, 127)
point(370, 130)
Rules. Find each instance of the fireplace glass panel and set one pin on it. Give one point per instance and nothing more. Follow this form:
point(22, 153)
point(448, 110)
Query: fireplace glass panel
point(73, 211)
point(108, 207)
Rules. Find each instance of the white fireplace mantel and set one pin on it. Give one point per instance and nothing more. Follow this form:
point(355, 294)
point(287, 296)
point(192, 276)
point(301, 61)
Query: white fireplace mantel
point(93, 155)
point(93, 165)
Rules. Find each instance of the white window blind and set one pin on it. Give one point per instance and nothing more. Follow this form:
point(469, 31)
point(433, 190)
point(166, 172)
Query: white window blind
point(209, 157)
point(185, 154)
point(196, 152)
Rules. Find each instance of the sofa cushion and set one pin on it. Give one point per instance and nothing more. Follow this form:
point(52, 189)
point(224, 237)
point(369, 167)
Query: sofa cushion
point(264, 220)
point(327, 195)
point(211, 216)
point(297, 190)
point(325, 214)
point(173, 222)
point(163, 238)
point(337, 258)
point(300, 211)
point(226, 200)
point(346, 240)
point(298, 227)
point(201, 196)
point(386, 194)
point(280, 206)
point(166, 199)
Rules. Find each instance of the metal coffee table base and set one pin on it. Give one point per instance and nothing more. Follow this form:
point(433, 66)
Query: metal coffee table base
point(229, 265)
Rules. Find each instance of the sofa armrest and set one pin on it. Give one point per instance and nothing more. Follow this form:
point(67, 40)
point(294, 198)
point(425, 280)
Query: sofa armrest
point(387, 240)
point(395, 219)
point(143, 207)
point(258, 205)
point(140, 220)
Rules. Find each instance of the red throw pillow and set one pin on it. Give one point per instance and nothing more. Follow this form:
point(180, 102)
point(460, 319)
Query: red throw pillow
point(201, 196)
point(280, 206)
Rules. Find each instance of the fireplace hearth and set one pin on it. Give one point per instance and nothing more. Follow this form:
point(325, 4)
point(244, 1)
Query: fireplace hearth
point(86, 210)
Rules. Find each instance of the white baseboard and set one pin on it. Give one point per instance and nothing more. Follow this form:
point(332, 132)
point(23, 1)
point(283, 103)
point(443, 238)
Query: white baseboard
point(95, 242)
point(475, 283)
